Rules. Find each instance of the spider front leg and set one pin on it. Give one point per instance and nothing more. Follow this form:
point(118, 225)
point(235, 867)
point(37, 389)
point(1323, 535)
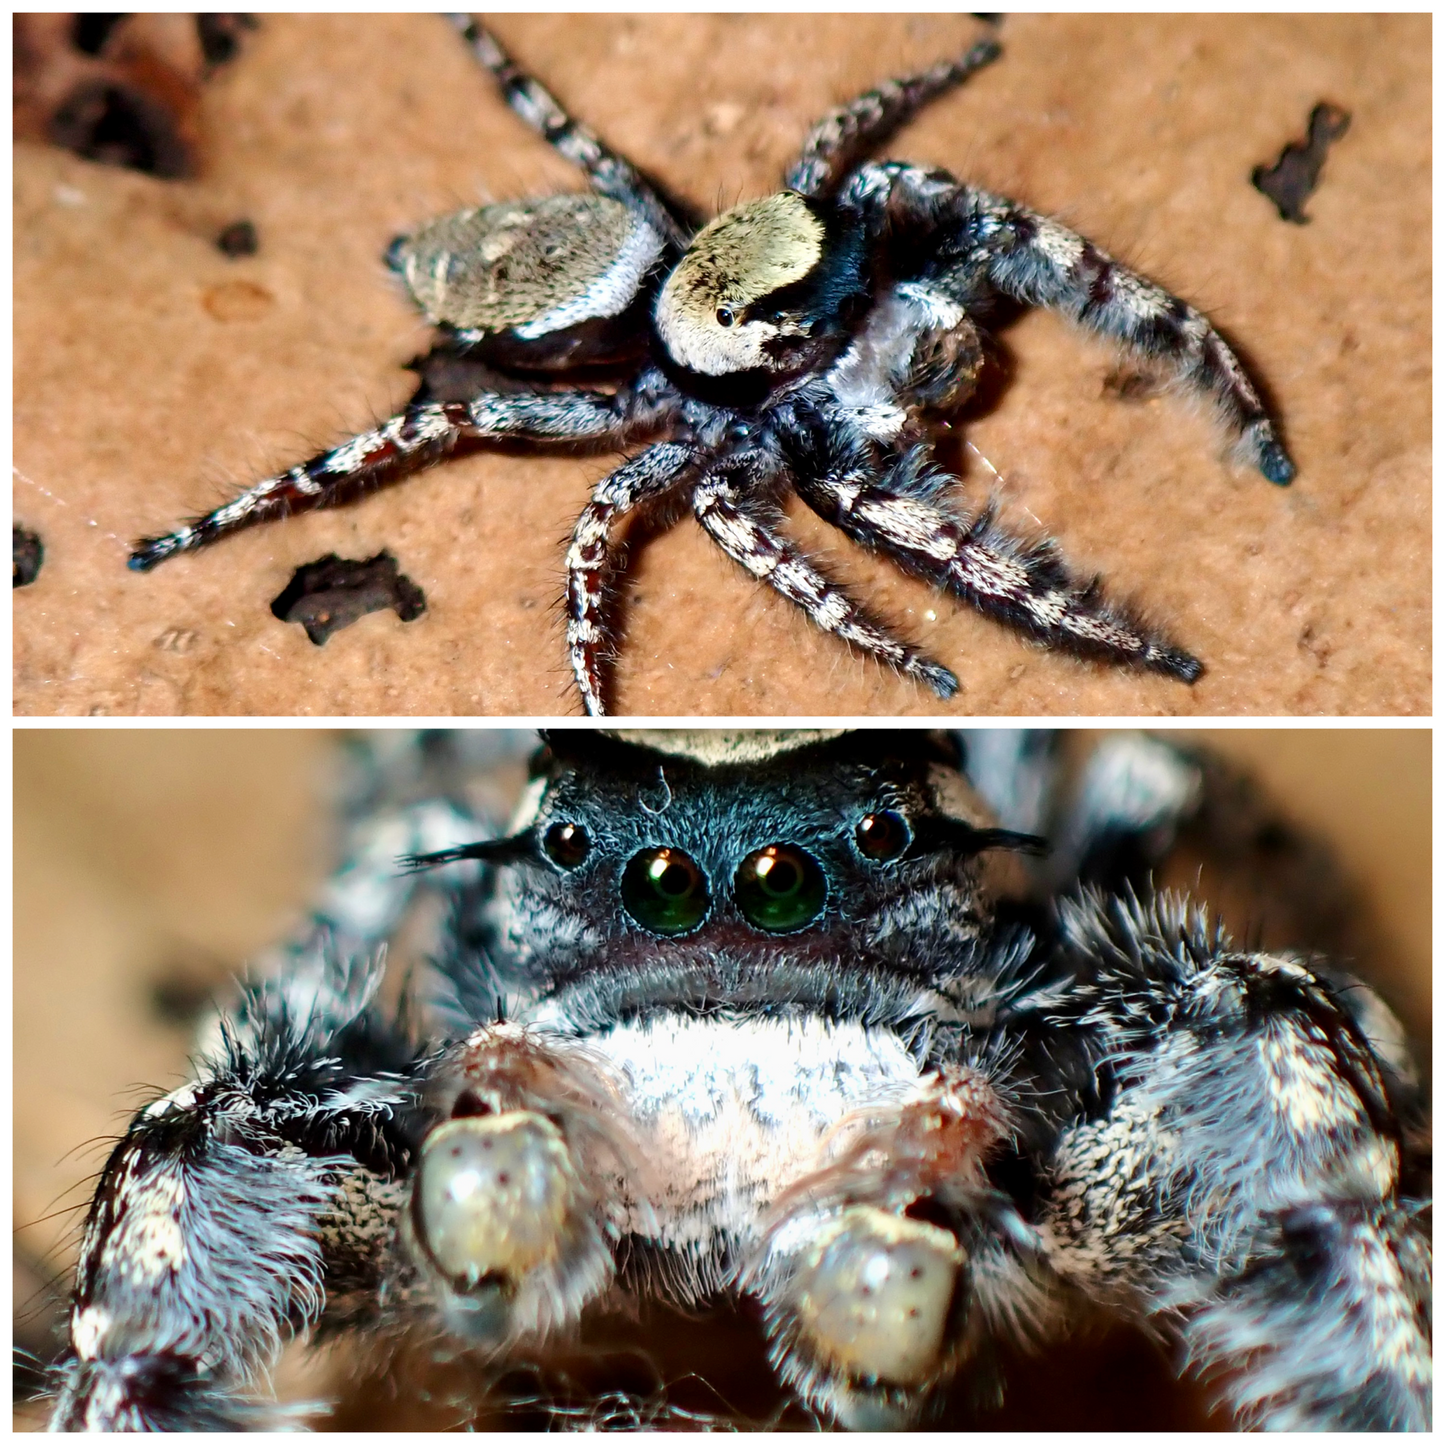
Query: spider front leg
point(1240, 1173)
point(882, 1272)
point(742, 529)
point(417, 437)
point(901, 512)
point(841, 139)
point(239, 1208)
point(976, 240)
point(590, 558)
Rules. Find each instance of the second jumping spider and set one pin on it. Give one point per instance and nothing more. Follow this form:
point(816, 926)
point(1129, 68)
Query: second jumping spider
point(778, 1017)
point(811, 340)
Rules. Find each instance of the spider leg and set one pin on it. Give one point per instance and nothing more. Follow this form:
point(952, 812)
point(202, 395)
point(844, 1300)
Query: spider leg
point(415, 438)
point(841, 139)
point(1023, 584)
point(1238, 1173)
point(609, 172)
point(263, 1194)
point(590, 558)
point(239, 1208)
point(977, 242)
point(1039, 261)
point(748, 538)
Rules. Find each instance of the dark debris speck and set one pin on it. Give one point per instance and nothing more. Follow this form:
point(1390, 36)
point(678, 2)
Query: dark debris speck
point(1292, 179)
point(238, 239)
point(333, 592)
point(28, 552)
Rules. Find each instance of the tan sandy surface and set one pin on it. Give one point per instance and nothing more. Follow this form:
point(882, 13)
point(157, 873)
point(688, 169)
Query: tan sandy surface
point(154, 377)
point(144, 857)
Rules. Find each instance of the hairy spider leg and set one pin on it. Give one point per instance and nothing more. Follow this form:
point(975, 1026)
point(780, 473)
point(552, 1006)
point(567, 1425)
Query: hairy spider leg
point(590, 557)
point(1038, 261)
point(1022, 583)
point(609, 172)
point(744, 532)
point(1243, 1177)
point(411, 440)
point(841, 139)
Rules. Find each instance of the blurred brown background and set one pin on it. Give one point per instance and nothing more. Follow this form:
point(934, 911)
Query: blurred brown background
point(150, 864)
point(155, 377)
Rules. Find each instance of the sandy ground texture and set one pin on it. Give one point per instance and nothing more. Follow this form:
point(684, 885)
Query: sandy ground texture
point(155, 377)
point(150, 865)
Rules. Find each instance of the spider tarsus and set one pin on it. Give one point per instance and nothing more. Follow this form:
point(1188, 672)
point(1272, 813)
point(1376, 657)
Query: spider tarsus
point(938, 677)
point(1275, 464)
point(1174, 662)
point(150, 552)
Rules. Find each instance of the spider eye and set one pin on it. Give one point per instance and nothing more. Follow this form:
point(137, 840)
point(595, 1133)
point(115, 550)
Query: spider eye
point(665, 891)
point(883, 836)
point(567, 844)
point(780, 889)
point(725, 316)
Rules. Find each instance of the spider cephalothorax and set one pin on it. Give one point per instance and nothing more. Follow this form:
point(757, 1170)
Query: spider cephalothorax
point(781, 1024)
point(812, 339)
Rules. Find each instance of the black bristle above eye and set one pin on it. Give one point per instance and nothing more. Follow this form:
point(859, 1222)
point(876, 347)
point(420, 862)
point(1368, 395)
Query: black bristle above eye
point(940, 834)
point(518, 848)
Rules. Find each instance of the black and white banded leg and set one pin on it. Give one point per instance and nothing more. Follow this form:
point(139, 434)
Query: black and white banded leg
point(590, 558)
point(414, 439)
point(843, 137)
point(1039, 261)
point(240, 1208)
point(609, 173)
point(1238, 1176)
point(1024, 584)
point(744, 531)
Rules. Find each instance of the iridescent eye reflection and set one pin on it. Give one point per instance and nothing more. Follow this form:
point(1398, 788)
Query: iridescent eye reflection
point(780, 889)
point(665, 891)
point(883, 836)
point(567, 844)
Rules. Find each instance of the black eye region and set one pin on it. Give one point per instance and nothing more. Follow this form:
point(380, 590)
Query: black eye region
point(665, 891)
point(567, 844)
point(883, 836)
point(780, 889)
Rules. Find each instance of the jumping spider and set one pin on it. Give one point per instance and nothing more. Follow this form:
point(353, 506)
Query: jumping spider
point(813, 340)
point(779, 1017)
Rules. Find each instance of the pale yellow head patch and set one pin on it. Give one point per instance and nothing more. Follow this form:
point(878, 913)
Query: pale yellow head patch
point(745, 254)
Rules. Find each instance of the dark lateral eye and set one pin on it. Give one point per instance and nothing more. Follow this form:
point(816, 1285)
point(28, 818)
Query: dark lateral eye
point(780, 889)
point(665, 891)
point(883, 836)
point(725, 316)
point(566, 844)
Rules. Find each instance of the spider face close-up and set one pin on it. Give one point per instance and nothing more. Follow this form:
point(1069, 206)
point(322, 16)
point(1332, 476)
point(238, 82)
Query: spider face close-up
point(779, 1033)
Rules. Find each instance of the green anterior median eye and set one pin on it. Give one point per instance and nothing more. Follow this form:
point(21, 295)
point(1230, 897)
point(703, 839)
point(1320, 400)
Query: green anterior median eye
point(665, 891)
point(780, 889)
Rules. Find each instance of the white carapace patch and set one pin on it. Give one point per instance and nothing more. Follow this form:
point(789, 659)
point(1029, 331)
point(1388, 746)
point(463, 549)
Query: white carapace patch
point(731, 1112)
